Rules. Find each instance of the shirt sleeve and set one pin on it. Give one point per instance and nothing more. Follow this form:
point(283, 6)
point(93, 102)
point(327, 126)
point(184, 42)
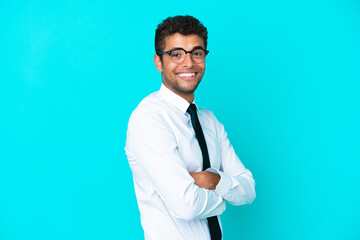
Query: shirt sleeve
point(152, 144)
point(236, 184)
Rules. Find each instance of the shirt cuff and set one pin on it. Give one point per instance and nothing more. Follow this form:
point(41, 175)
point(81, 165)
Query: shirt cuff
point(224, 184)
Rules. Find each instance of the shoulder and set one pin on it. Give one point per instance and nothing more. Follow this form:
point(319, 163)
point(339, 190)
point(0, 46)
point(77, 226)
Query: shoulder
point(209, 119)
point(148, 121)
point(206, 113)
point(148, 110)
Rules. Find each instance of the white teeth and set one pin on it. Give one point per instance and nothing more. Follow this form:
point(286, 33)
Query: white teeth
point(186, 75)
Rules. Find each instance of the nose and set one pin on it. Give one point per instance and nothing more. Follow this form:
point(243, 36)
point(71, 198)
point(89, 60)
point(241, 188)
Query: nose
point(188, 62)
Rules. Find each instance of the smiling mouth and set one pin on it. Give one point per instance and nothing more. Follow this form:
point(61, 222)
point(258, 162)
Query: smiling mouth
point(189, 75)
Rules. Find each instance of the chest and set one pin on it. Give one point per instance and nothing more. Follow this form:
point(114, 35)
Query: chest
point(188, 145)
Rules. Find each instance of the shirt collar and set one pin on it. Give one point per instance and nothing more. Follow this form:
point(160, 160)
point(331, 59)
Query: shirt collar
point(174, 99)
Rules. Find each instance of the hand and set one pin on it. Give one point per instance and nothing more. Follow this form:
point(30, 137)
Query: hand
point(206, 179)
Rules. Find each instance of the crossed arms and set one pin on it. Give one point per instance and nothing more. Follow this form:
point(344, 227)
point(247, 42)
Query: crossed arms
point(207, 180)
point(152, 147)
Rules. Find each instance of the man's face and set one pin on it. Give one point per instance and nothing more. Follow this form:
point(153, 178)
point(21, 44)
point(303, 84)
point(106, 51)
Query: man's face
point(182, 78)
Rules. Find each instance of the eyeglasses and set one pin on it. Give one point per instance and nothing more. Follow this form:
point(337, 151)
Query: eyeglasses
point(178, 55)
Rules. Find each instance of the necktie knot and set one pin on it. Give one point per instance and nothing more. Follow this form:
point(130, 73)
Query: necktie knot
point(192, 110)
point(194, 118)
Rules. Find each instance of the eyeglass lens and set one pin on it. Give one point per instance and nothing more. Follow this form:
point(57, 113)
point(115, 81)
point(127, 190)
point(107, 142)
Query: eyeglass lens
point(197, 55)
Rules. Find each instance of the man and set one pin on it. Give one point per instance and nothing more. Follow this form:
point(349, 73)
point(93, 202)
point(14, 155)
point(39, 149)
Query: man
point(184, 167)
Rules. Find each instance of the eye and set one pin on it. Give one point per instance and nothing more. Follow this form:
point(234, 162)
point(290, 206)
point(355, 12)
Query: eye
point(176, 54)
point(198, 53)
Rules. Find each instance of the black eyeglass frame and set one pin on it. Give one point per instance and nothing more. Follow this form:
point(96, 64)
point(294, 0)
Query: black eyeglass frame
point(186, 52)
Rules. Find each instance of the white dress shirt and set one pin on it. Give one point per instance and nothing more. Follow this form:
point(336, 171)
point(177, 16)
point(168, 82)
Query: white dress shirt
point(162, 150)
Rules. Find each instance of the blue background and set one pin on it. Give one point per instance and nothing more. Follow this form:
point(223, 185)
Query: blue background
point(282, 76)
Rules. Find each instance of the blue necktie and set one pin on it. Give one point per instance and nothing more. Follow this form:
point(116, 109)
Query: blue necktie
point(213, 222)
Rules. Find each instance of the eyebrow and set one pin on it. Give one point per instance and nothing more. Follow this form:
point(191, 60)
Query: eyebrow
point(196, 47)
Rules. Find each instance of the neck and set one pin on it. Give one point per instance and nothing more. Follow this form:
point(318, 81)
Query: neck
point(187, 96)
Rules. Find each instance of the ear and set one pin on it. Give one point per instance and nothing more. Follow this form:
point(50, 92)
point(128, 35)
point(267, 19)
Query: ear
point(158, 63)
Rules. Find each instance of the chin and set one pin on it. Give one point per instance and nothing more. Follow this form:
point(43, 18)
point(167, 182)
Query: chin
point(188, 90)
point(182, 87)
point(183, 91)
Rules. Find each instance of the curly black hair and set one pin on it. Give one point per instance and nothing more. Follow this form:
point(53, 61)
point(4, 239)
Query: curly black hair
point(185, 25)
